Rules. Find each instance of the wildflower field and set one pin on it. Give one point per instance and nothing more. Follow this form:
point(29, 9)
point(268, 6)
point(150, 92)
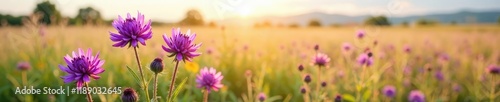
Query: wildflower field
point(360, 64)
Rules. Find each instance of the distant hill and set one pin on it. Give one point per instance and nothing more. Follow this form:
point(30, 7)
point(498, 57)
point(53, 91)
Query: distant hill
point(328, 19)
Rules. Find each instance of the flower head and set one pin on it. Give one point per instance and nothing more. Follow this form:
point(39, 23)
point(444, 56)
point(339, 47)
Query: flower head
point(209, 79)
point(156, 66)
point(456, 87)
point(416, 96)
point(23, 66)
point(303, 90)
point(301, 67)
point(360, 34)
point(407, 48)
point(129, 95)
point(307, 78)
point(131, 31)
point(316, 47)
point(493, 69)
point(81, 67)
point(181, 45)
point(321, 59)
point(365, 59)
point(338, 98)
point(323, 84)
point(389, 91)
point(262, 97)
point(346, 46)
point(439, 75)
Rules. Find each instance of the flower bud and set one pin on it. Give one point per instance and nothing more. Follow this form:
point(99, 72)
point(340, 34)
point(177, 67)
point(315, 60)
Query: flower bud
point(156, 66)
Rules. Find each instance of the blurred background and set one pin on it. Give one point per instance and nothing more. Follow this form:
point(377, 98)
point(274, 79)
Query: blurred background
point(443, 48)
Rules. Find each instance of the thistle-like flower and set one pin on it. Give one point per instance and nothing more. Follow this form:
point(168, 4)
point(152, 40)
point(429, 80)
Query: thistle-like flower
point(209, 79)
point(307, 78)
point(262, 97)
point(346, 46)
point(338, 98)
point(389, 91)
point(416, 96)
point(156, 66)
point(303, 90)
point(365, 59)
point(131, 31)
point(301, 67)
point(181, 45)
point(360, 34)
point(23, 66)
point(493, 69)
point(81, 67)
point(321, 59)
point(129, 95)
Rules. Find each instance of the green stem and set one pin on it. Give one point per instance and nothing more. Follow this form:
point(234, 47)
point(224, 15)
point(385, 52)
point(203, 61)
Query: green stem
point(155, 88)
point(173, 80)
point(249, 88)
point(145, 87)
point(89, 98)
point(205, 96)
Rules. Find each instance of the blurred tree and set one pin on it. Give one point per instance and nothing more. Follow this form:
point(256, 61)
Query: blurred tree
point(193, 17)
point(212, 24)
point(11, 20)
point(314, 23)
point(50, 14)
point(293, 25)
point(377, 21)
point(426, 22)
point(405, 24)
point(89, 16)
point(335, 25)
point(498, 20)
point(267, 23)
point(453, 23)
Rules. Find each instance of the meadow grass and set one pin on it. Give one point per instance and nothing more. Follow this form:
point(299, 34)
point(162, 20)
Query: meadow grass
point(272, 55)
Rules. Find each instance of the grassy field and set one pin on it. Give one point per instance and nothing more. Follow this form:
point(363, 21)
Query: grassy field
point(460, 53)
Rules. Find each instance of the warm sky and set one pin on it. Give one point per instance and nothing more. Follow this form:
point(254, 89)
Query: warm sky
point(174, 10)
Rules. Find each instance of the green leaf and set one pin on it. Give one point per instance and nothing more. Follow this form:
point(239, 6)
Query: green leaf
point(134, 75)
point(274, 98)
point(178, 89)
point(367, 94)
point(348, 97)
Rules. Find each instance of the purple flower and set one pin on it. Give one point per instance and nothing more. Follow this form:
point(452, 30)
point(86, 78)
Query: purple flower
point(416, 96)
point(389, 91)
point(262, 97)
point(316, 47)
point(346, 46)
point(129, 95)
point(23, 66)
point(156, 66)
point(181, 45)
point(209, 79)
point(131, 30)
point(493, 69)
point(81, 67)
point(323, 84)
point(321, 59)
point(301, 67)
point(303, 90)
point(407, 48)
point(338, 98)
point(360, 34)
point(439, 75)
point(307, 78)
point(365, 59)
point(456, 87)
